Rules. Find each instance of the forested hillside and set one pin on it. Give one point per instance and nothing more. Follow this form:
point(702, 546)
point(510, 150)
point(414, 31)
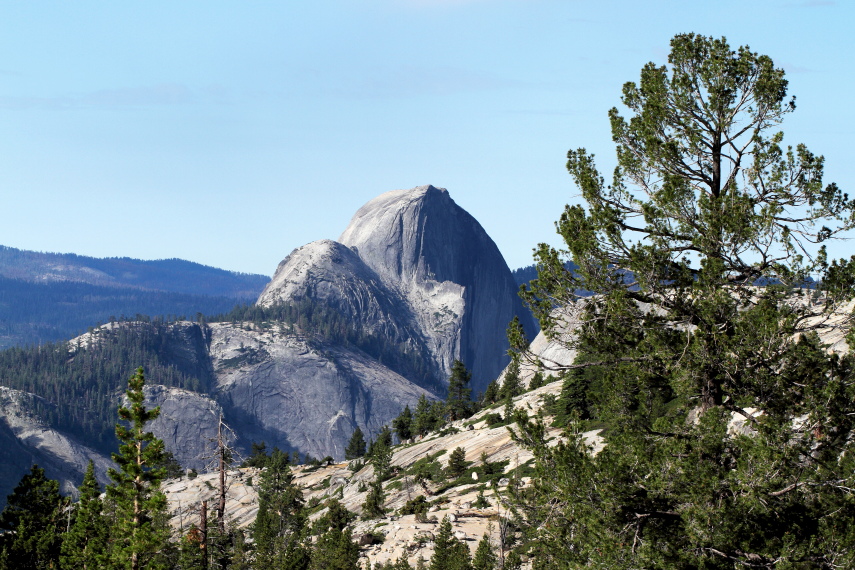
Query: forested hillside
point(81, 385)
point(46, 297)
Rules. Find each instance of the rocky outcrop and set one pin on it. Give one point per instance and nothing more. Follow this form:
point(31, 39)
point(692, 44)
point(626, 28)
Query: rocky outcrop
point(26, 441)
point(187, 424)
point(279, 388)
point(448, 270)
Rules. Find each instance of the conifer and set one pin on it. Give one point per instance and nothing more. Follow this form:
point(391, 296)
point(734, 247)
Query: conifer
point(356, 446)
point(84, 546)
point(279, 528)
point(459, 400)
point(139, 536)
point(485, 558)
point(32, 523)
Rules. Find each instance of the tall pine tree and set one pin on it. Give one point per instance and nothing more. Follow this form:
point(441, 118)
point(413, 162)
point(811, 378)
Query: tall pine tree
point(84, 546)
point(32, 523)
point(279, 530)
point(139, 535)
point(698, 251)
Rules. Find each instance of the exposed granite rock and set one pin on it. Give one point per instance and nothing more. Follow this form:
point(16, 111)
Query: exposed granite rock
point(187, 424)
point(281, 389)
point(440, 259)
point(26, 440)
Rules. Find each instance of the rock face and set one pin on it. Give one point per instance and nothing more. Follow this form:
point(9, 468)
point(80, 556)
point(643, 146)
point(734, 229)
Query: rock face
point(187, 424)
point(278, 388)
point(449, 272)
point(25, 441)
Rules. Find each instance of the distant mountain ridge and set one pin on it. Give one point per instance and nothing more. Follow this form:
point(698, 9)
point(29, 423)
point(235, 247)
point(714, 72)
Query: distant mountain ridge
point(46, 297)
point(174, 275)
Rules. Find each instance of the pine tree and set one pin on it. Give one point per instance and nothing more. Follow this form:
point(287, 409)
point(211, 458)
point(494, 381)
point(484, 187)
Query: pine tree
point(279, 528)
point(373, 505)
point(85, 544)
point(485, 558)
point(511, 383)
point(698, 251)
point(459, 400)
point(334, 549)
point(491, 394)
point(32, 523)
point(425, 418)
point(449, 553)
point(403, 424)
point(356, 446)
point(457, 462)
point(139, 535)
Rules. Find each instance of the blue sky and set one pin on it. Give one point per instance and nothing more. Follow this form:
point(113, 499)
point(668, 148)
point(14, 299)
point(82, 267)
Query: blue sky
point(229, 133)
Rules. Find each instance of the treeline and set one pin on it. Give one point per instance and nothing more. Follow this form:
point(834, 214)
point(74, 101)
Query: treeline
point(326, 324)
point(36, 313)
point(79, 386)
point(175, 275)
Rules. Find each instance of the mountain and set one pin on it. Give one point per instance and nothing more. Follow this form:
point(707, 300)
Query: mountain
point(46, 297)
point(446, 268)
point(345, 335)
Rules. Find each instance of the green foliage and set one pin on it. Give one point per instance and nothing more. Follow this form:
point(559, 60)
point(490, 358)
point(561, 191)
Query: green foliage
point(537, 381)
point(380, 454)
point(449, 553)
point(511, 382)
point(417, 506)
point(428, 416)
point(279, 530)
point(457, 462)
point(403, 424)
point(694, 249)
point(372, 508)
point(485, 557)
point(356, 446)
point(491, 394)
point(84, 545)
point(139, 535)
point(324, 323)
point(458, 402)
point(79, 384)
point(32, 523)
point(481, 501)
point(334, 548)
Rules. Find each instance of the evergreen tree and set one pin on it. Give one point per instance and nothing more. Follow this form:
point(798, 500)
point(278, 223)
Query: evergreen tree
point(511, 382)
point(459, 400)
point(383, 442)
point(457, 462)
point(491, 394)
point(426, 418)
point(537, 381)
point(279, 528)
point(373, 505)
point(257, 456)
point(697, 251)
point(85, 544)
point(513, 561)
point(449, 553)
point(356, 446)
point(191, 554)
point(380, 454)
point(241, 551)
point(485, 558)
point(403, 424)
point(334, 549)
point(32, 523)
point(139, 535)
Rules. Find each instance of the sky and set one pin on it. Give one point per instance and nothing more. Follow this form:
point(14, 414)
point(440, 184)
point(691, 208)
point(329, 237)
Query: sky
point(230, 133)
